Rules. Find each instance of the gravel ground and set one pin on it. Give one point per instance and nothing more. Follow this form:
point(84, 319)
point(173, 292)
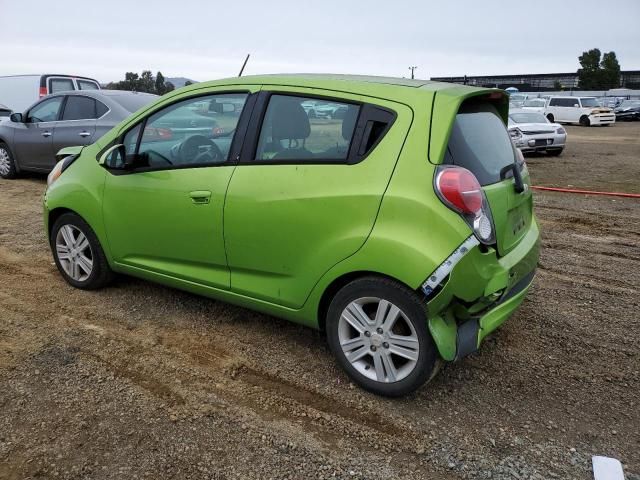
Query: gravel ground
point(140, 381)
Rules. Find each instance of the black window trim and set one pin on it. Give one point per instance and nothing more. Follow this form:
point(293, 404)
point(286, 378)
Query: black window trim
point(234, 149)
point(366, 113)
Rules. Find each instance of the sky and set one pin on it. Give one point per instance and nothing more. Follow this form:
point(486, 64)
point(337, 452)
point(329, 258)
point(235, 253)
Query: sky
point(205, 40)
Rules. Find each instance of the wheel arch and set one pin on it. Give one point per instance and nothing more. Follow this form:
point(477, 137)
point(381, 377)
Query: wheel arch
point(337, 284)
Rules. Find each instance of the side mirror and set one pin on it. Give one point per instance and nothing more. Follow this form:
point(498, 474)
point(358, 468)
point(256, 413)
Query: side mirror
point(16, 118)
point(576, 105)
point(136, 160)
point(113, 157)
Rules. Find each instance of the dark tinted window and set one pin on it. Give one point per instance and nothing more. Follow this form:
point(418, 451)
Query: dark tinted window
point(554, 102)
point(298, 128)
point(133, 102)
point(480, 143)
point(60, 85)
point(101, 109)
point(79, 108)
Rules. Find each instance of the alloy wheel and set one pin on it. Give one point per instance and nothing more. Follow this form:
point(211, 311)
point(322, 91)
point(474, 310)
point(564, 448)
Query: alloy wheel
point(74, 253)
point(378, 340)
point(5, 162)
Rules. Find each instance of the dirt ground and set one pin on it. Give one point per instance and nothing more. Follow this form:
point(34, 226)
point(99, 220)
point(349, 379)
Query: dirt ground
point(141, 381)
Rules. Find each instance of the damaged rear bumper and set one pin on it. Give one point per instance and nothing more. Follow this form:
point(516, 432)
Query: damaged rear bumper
point(477, 292)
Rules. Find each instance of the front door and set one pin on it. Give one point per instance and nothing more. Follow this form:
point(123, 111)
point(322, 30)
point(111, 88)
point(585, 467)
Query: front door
point(33, 140)
point(164, 215)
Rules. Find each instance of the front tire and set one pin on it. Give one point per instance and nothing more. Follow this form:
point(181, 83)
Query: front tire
point(550, 118)
point(78, 254)
point(584, 121)
point(7, 163)
point(555, 153)
point(377, 330)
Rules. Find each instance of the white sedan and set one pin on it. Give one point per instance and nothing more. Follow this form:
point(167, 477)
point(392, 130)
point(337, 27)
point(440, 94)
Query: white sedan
point(532, 132)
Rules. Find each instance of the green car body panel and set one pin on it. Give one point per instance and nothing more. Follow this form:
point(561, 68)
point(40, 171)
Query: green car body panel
point(281, 239)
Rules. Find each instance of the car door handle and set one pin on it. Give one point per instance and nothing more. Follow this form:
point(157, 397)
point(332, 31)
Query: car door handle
point(84, 134)
point(46, 134)
point(200, 197)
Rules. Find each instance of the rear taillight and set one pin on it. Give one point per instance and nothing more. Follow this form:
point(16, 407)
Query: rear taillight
point(43, 92)
point(460, 190)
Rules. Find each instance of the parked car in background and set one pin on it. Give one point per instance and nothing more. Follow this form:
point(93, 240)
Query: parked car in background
point(4, 111)
point(30, 140)
point(517, 99)
point(19, 91)
point(535, 105)
point(583, 110)
point(628, 110)
point(401, 251)
point(532, 132)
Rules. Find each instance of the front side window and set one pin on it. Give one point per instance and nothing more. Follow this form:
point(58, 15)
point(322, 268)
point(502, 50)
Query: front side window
point(79, 108)
point(87, 85)
point(60, 85)
point(46, 111)
point(194, 132)
point(306, 129)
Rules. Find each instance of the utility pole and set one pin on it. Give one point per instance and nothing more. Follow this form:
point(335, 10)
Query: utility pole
point(412, 69)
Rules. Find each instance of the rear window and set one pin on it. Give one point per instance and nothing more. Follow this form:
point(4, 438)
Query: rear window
point(480, 143)
point(133, 102)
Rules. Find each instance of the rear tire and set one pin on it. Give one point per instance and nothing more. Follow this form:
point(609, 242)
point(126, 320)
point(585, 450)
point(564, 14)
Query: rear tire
point(377, 331)
point(550, 118)
point(78, 254)
point(584, 121)
point(7, 163)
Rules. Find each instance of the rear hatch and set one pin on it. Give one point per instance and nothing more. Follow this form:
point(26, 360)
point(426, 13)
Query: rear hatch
point(480, 143)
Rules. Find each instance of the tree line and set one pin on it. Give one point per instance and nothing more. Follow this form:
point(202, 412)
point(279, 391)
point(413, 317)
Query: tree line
point(145, 82)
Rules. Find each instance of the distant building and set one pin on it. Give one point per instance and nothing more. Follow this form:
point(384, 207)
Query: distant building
point(537, 82)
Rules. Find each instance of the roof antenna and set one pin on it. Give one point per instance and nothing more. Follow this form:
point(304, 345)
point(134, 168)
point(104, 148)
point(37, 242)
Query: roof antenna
point(244, 64)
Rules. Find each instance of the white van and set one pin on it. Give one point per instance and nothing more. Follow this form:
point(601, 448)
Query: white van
point(20, 91)
point(583, 110)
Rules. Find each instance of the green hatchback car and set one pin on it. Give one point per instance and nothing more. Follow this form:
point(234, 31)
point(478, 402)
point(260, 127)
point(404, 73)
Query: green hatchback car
point(402, 226)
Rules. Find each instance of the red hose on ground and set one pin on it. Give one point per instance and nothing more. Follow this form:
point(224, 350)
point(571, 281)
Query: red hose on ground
point(588, 192)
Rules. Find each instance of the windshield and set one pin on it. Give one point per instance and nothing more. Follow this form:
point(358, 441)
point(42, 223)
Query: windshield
point(589, 102)
point(630, 103)
point(480, 143)
point(527, 118)
point(133, 102)
point(536, 102)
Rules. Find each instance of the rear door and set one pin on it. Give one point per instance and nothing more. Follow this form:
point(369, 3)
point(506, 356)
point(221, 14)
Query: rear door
point(33, 140)
point(306, 191)
point(77, 123)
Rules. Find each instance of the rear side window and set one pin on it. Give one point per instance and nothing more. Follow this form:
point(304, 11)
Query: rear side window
point(60, 85)
point(79, 108)
point(306, 129)
point(87, 85)
point(480, 143)
point(101, 109)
